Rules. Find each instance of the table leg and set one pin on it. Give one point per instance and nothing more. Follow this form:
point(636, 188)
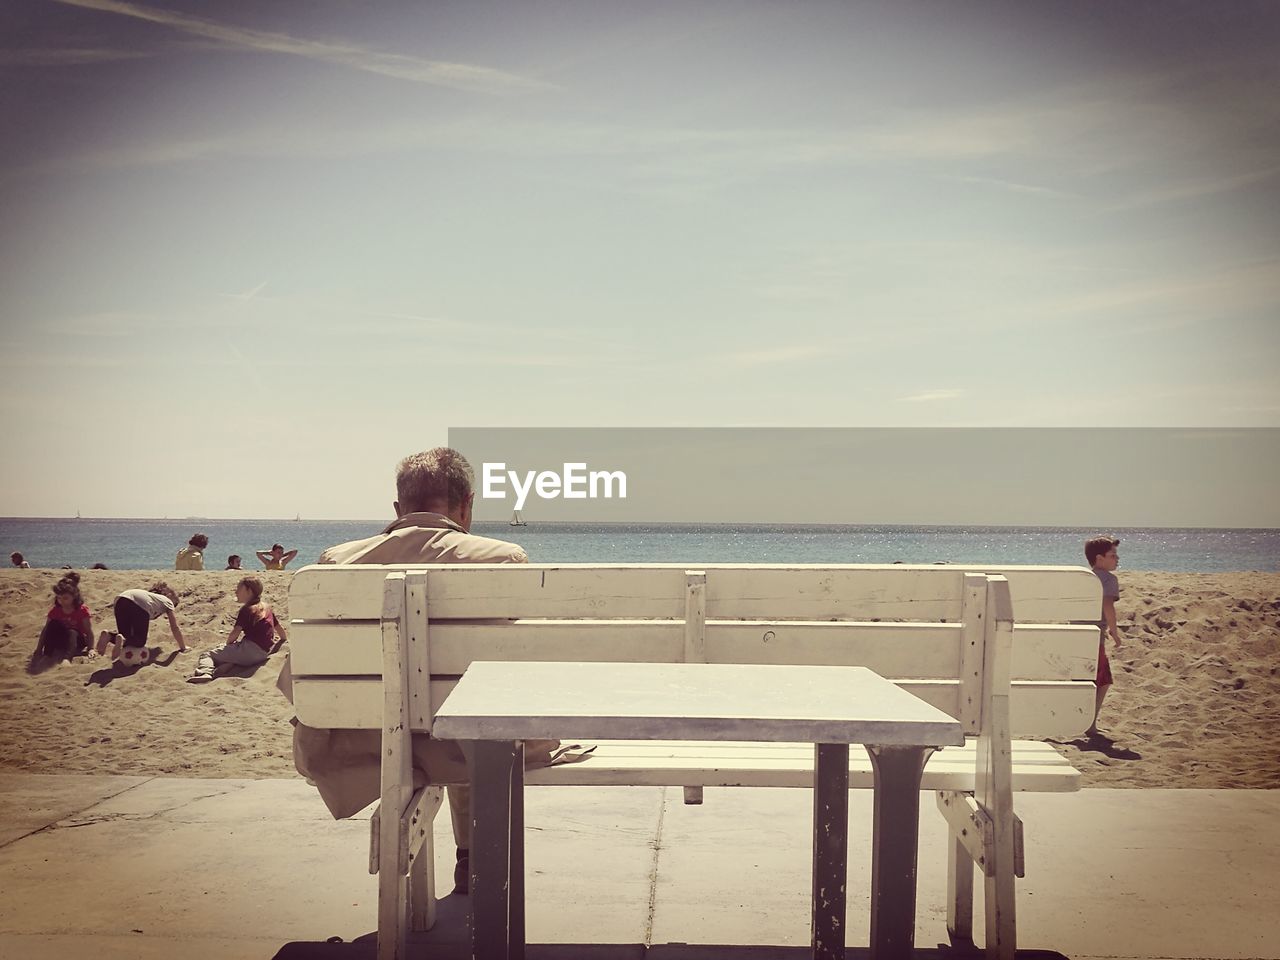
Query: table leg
point(493, 840)
point(516, 901)
point(895, 840)
point(830, 849)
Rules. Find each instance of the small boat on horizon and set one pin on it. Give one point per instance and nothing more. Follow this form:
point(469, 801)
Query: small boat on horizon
point(517, 520)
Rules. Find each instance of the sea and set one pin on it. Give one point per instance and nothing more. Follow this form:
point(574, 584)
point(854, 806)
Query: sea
point(152, 544)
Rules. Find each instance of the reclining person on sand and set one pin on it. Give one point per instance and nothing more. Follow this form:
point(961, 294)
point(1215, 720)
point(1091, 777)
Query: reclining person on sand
point(251, 638)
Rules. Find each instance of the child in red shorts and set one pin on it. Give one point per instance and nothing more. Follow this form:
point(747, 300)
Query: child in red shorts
point(1103, 557)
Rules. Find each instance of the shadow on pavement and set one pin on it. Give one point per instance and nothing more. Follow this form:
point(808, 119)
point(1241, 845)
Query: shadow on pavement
point(366, 948)
point(447, 941)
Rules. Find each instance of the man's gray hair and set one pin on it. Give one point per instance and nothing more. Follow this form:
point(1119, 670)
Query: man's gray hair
point(439, 477)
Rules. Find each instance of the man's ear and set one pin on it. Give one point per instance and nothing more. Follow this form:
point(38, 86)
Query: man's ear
point(395, 505)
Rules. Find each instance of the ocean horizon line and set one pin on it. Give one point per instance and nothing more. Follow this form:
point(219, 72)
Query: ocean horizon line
point(742, 524)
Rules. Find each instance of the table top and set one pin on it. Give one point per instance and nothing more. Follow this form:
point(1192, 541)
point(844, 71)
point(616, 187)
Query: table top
point(688, 701)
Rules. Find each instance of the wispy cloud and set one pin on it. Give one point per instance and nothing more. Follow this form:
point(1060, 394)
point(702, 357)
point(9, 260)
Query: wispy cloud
point(1194, 189)
point(773, 355)
point(107, 324)
point(69, 56)
point(933, 396)
point(248, 294)
point(1012, 186)
point(1176, 298)
point(461, 76)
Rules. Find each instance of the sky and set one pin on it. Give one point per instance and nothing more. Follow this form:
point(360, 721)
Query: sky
point(252, 254)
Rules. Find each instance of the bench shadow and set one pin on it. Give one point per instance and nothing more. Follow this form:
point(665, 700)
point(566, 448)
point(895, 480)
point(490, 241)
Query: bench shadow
point(113, 671)
point(1101, 743)
point(448, 941)
point(366, 948)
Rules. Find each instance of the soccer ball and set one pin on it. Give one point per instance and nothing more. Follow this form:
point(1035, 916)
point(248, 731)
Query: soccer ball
point(133, 656)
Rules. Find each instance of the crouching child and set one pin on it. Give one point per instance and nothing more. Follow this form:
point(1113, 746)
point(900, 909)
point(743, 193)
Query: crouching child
point(134, 610)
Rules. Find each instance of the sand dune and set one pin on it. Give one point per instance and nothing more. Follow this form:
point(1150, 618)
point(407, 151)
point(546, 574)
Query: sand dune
point(1196, 701)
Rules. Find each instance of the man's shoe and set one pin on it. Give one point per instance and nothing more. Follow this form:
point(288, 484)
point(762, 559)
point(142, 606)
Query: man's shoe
point(462, 873)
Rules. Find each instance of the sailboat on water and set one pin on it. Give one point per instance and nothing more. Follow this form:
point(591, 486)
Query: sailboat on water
point(517, 520)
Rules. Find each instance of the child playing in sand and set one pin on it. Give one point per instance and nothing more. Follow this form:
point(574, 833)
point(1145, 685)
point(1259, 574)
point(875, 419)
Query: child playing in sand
point(233, 562)
point(68, 629)
point(1103, 557)
point(19, 561)
point(249, 643)
point(276, 558)
point(134, 610)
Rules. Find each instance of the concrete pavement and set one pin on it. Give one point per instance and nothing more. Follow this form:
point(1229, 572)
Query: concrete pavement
point(134, 867)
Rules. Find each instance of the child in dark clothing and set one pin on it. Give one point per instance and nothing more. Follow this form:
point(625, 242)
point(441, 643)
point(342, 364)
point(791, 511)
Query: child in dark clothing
point(134, 610)
point(250, 641)
point(68, 629)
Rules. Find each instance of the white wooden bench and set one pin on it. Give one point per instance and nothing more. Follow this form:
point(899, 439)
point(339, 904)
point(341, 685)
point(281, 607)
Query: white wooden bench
point(945, 633)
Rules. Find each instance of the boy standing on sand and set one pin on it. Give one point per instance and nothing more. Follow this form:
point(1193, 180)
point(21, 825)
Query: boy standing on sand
point(1104, 558)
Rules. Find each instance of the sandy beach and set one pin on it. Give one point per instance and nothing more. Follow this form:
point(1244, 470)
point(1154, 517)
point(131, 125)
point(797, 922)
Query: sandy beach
point(1196, 701)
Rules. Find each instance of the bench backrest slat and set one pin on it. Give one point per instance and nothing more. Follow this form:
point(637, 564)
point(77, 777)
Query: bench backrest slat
point(895, 650)
point(1048, 708)
point(738, 592)
point(904, 622)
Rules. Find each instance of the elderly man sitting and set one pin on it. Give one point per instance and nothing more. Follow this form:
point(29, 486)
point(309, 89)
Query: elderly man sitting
point(435, 494)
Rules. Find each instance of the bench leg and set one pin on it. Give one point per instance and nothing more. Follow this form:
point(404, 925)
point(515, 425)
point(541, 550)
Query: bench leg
point(959, 893)
point(894, 844)
point(497, 867)
point(516, 899)
point(830, 849)
point(393, 895)
point(1001, 926)
point(422, 887)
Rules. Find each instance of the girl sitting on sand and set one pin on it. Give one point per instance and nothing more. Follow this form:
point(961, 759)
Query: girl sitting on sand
point(68, 630)
point(134, 610)
point(256, 621)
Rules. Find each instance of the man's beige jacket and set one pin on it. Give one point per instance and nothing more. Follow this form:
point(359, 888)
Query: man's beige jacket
point(344, 765)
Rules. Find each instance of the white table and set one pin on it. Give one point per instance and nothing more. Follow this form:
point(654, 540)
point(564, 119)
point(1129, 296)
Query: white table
point(497, 705)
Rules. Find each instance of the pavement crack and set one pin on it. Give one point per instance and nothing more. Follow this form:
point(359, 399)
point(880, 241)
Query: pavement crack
point(54, 825)
point(653, 872)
